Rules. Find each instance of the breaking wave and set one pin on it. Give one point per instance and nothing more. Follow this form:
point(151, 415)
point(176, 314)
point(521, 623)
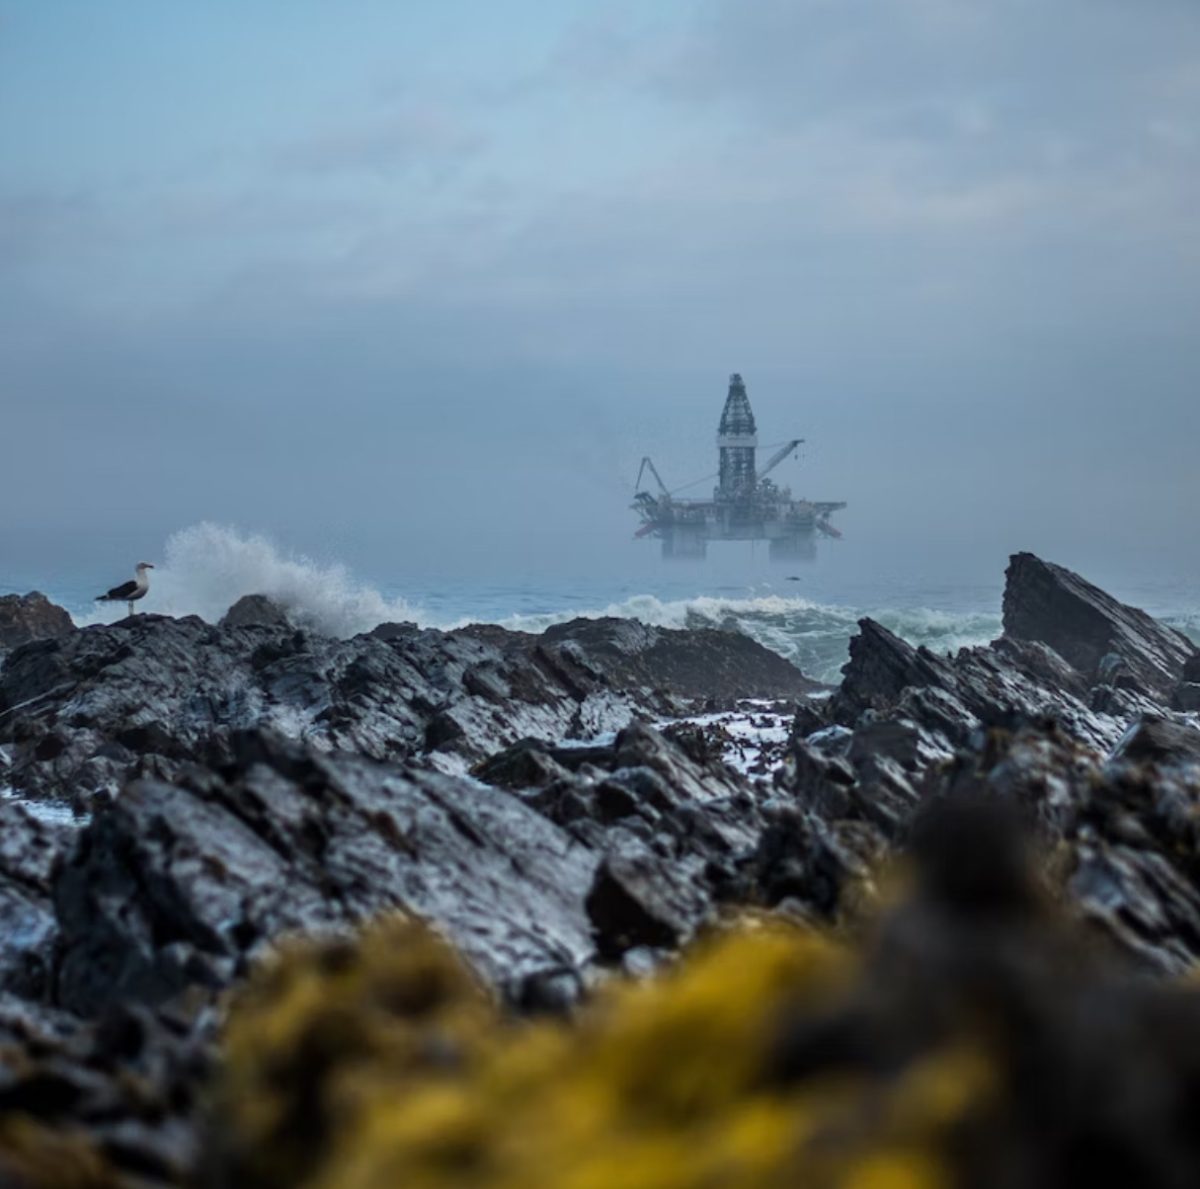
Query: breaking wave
point(814, 636)
point(208, 567)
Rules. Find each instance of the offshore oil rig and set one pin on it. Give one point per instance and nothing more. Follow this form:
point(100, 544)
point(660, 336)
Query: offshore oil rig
point(746, 505)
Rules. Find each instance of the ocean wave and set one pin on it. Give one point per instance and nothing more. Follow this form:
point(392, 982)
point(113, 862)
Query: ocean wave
point(208, 567)
point(814, 636)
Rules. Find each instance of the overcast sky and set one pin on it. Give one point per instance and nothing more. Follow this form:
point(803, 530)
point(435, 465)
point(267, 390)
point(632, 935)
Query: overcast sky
point(374, 276)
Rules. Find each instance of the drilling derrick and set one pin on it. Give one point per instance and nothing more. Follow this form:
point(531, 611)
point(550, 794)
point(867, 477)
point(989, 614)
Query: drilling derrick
point(737, 444)
point(746, 504)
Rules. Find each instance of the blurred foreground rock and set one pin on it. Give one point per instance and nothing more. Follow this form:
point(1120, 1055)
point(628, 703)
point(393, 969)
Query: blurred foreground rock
point(976, 1041)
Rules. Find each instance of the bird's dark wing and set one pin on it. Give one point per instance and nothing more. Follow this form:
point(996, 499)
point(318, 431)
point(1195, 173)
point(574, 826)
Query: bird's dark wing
point(120, 592)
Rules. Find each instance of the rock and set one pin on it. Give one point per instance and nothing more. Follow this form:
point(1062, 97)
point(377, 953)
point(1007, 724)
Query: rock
point(802, 859)
point(110, 1103)
point(88, 712)
point(880, 668)
point(1125, 832)
point(255, 610)
point(31, 846)
point(176, 884)
point(1047, 603)
point(31, 617)
point(636, 900)
point(1186, 697)
point(701, 663)
point(1160, 740)
point(935, 703)
point(251, 781)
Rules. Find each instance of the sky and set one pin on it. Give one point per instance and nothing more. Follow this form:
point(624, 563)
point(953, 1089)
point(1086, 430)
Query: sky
point(416, 285)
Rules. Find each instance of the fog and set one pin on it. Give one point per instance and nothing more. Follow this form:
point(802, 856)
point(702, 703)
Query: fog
point(416, 286)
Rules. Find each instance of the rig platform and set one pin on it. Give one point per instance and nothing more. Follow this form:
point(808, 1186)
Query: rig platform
point(746, 504)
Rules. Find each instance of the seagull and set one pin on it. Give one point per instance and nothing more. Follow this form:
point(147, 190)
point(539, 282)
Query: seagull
point(129, 592)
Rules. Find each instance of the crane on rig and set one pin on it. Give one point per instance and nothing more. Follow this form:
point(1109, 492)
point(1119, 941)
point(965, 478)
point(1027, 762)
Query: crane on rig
point(746, 505)
point(779, 456)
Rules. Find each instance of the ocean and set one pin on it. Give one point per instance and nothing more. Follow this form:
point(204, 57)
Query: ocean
point(805, 611)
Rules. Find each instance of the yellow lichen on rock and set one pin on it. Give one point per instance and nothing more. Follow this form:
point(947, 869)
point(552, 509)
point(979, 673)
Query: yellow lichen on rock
point(385, 1063)
point(33, 1156)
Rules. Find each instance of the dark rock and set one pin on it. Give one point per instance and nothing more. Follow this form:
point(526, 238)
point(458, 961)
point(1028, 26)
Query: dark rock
point(1159, 740)
point(31, 617)
point(525, 765)
point(700, 663)
point(1047, 603)
point(807, 864)
point(115, 1102)
point(175, 885)
point(86, 713)
point(636, 900)
point(1186, 696)
point(30, 848)
point(880, 668)
point(255, 610)
point(1125, 832)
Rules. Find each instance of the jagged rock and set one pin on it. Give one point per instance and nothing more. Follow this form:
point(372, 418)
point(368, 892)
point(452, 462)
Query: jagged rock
point(1126, 832)
point(30, 848)
point(1186, 696)
point(802, 860)
point(637, 900)
point(255, 610)
point(174, 885)
point(1047, 603)
point(31, 617)
point(701, 663)
point(82, 714)
point(880, 669)
point(1160, 740)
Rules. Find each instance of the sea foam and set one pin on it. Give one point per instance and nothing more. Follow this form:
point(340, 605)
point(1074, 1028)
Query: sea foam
point(208, 567)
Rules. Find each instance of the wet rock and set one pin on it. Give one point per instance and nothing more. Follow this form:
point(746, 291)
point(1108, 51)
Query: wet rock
point(82, 715)
point(174, 885)
point(31, 617)
point(802, 860)
point(255, 610)
point(30, 848)
point(1124, 832)
point(880, 669)
point(1186, 697)
point(636, 900)
point(701, 663)
point(1047, 603)
point(1160, 740)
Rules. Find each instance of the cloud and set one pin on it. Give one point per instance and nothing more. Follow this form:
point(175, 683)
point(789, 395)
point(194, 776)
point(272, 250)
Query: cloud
point(419, 136)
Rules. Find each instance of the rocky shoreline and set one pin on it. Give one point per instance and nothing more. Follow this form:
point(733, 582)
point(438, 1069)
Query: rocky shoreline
point(564, 808)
